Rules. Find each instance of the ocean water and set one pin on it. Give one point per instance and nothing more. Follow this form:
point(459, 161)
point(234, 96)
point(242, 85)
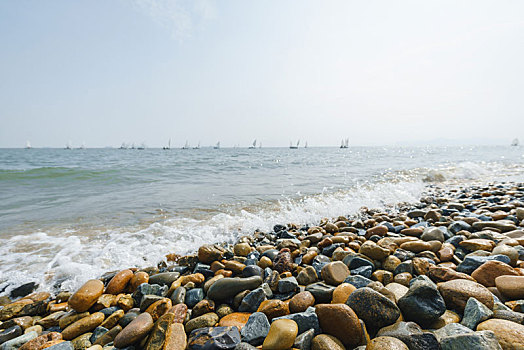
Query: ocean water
point(70, 215)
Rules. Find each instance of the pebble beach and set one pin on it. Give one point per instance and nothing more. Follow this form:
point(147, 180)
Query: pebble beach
point(446, 272)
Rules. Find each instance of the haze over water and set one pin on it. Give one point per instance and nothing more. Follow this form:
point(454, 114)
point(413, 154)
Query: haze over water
point(68, 215)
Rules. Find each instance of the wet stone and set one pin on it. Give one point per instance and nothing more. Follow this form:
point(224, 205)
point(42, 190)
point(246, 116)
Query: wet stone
point(321, 291)
point(164, 278)
point(17, 342)
point(194, 296)
point(256, 329)
point(211, 338)
point(373, 308)
point(66, 345)
point(228, 287)
point(305, 320)
point(148, 289)
point(252, 300)
point(422, 303)
point(358, 281)
point(412, 335)
point(288, 284)
point(134, 331)
point(97, 333)
point(473, 262)
point(178, 296)
point(451, 329)
point(10, 333)
point(148, 300)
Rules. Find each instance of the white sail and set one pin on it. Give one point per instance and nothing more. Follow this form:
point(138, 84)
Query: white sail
point(217, 146)
point(515, 142)
point(28, 144)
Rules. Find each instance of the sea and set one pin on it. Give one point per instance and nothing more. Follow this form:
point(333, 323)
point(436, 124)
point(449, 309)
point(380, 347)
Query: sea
point(68, 215)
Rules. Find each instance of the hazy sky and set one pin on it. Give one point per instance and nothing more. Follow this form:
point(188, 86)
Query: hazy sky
point(379, 72)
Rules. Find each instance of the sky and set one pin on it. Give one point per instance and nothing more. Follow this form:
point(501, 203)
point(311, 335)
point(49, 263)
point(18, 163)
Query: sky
point(145, 71)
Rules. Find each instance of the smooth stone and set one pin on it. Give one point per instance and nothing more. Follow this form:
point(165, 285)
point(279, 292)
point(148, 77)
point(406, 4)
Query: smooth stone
point(342, 292)
point(509, 315)
point(176, 338)
point(307, 276)
point(10, 333)
point(474, 313)
point(82, 341)
point(334, 273)
point(432, 234)
point(397, 289)
point(244, 346)
point(326, 342)
point(457, 292)
point(340, 321)
point(253, 270)
point(97, 333)
point(412, 335)
point(203, 307)
point(157, 336)
point(86, 296)
point(281, 335)
point(39, 341)
point(237, 319)
point(511, 287)
point(129, 317)
point(242, 249)
point(178, 296)
point(109, 337)
point(487, 272)
point(230, 286)
point(164, 278)
point(305, 320)
point(210, 338)
point(509, 334)
point(473, 262)
point(148, 300)
point(510, 252)
point(193, 297)
point(422, 303)
point(321, 291)
point(386, 343)
point(61, 345)
point(17, 342)
point(119, 282)
point(209, 253)
point(288, 284)
point(86, 324)
point(113, 319)
point(256, 329)
point(301, 301)
point(373, 308)
point(484, 340)
point(134, 331)
point(373, 251)
point(273, 308)
point(206, 320)
point(358, 281)
point(303, 341)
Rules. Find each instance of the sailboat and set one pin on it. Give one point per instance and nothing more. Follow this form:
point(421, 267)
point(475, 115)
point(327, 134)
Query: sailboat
point(254, 145)
point(344, 143)
point(217, 146)
point(142, 146)
point(68, 145)
point(186, 146)
point(82, 146)
point(28, 145)
point(291, 146)
point(123, 146)
point(305, 146)
point(168, 145)
point(515, 142)
point(198, 146)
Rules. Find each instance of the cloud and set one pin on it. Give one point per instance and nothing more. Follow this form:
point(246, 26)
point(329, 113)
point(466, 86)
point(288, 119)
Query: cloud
point(180, 17)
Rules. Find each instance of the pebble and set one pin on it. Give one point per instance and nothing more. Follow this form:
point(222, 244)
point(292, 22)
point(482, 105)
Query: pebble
point(209, 253)
point(17, 342)
point(119, 282)
point(206, 320)
point(256, 329)
point(342, 292)
point(487, 272)
point(176, 338)
point(288, 284)
point(474, 313)
point(303, 340)
point(412, 335)
point(484, 340)
point(422, 303)
point(281, 335)
point(10, 333)
point(237, 319)
point(230, 286)
point(326, 342)
point(373, 308)
point(305, 320)
point(307, 276)
point(511, 287)
point(386, 343)
point(301, 301)
point(457, 292)
point(86, 296)
point(134, 331)
point(321, 292)
point(214, 338)
point(340, 321)
point(83, 325)
point(509, 334)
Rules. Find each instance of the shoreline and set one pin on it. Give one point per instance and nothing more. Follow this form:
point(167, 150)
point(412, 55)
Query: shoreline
point(457, 255)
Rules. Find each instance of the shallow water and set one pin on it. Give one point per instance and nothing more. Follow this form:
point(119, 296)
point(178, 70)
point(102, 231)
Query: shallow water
point(68, 215)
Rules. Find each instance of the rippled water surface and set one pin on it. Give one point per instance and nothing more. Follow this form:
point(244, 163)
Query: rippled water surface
point(67, 215)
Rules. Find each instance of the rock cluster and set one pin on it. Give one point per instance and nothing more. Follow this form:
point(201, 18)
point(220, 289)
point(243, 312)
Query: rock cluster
point(444, 273)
